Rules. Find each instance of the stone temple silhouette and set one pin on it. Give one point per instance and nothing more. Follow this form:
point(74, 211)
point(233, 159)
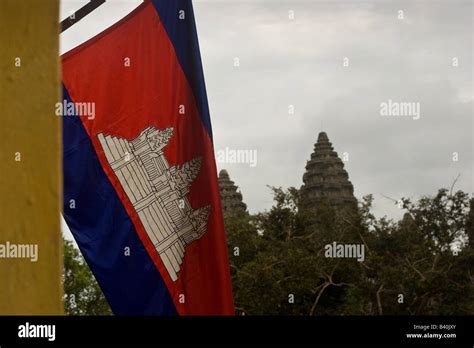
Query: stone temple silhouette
point(231, 199)
point(325, 179)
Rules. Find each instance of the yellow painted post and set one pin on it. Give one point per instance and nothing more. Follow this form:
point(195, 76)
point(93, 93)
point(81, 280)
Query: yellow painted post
point(30, 159)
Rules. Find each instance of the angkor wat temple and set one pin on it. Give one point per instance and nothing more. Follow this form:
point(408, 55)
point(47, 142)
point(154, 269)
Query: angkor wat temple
point(324, 181)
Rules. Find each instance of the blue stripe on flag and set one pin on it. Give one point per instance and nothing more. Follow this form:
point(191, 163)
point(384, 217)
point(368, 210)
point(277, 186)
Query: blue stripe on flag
point(183, 35)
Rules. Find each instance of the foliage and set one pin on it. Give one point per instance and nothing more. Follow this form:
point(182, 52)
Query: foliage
point(422, 264)
point(82, 294)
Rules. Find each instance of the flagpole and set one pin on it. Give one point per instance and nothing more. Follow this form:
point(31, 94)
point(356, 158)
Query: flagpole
point(79, 14)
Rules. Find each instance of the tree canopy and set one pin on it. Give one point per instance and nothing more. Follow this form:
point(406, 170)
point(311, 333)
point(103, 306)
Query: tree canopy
point(422, 264)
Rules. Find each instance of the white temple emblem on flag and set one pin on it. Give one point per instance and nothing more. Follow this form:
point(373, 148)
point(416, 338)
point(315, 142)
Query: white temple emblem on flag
point(158, 192)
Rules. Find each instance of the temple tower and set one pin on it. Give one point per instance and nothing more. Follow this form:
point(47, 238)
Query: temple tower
point(326, 179)
point(231, 199)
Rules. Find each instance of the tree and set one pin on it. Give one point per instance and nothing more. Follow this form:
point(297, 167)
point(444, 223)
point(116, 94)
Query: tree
point(419, 265)
point(82, 294)
point(288, 273)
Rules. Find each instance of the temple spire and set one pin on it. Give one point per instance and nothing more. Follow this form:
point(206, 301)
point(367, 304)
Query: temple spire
point(326, 179)
point(231, 199)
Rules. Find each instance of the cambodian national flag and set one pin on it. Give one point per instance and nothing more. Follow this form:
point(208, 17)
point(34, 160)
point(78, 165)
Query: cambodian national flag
point(140, 188)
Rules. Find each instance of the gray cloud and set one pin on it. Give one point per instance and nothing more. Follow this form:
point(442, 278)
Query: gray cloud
point(300, 62)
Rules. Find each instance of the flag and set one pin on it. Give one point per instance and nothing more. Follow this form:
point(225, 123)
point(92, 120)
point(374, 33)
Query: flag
point(141, 195)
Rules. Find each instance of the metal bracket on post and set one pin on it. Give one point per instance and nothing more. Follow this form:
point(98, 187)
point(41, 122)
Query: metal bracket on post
point(79, 14)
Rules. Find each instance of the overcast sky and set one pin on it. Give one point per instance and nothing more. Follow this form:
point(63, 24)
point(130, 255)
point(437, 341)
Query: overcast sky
point(292, 53)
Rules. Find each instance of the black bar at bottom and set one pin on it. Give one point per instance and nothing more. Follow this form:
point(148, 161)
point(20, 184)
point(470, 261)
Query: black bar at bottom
point(428, 330)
